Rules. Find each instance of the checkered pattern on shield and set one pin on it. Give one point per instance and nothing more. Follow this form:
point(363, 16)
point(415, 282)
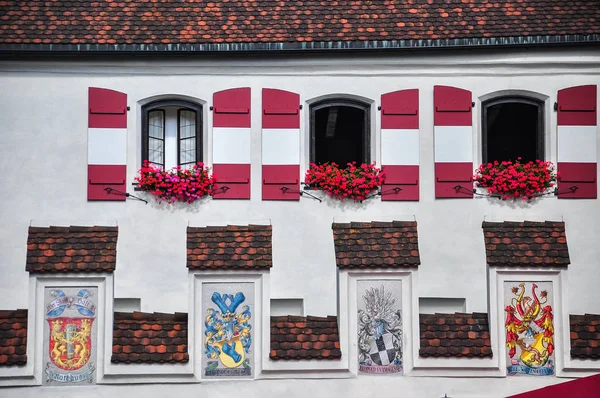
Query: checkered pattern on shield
point(383, 352)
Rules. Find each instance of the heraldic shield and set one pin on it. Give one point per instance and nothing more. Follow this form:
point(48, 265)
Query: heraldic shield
point(69, 336)
point(379, 328)
point(228, 336)
point(70, 343)
point(529, 331)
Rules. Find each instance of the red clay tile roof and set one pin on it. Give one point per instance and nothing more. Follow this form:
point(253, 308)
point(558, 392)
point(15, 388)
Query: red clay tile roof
point(231, 247)
point(376, 244)
point(585, 336)
point(455, 335)
point(276, 21)
point(526, 243)
point(72, 249)
point(140, 337)
point(13, 338)
point(311, 337)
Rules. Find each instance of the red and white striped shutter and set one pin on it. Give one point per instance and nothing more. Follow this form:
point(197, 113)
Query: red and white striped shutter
point(400, 144)
point(232, 143)
point(107, 143)
point(577, 147)
point(280, 145)
point(453, 142)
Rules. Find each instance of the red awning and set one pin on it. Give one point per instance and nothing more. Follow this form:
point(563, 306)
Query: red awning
point(587, 387)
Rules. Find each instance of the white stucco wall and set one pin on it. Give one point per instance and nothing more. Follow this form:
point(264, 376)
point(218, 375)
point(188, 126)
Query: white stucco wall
point(43, 154)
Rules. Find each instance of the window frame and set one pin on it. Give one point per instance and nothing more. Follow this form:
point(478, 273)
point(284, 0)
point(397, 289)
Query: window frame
point(183, 105)
point(540, 133)
point(366, 108)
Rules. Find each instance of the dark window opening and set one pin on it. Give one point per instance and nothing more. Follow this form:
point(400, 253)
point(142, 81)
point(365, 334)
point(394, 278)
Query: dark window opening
point(172, 134)
point(340, 132)
point(513, 128)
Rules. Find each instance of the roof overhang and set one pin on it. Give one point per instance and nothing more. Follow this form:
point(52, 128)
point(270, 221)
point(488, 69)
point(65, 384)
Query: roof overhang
point(337, 46)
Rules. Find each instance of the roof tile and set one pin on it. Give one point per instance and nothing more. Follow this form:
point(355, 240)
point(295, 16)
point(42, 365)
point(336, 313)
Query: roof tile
point(585, 336)
point(72, 249)
point(230, 247)
point(267, 21)
point(311, 337)
point(13, 337)
point(376, 244)
point(140, 337)
point(455, 335)
point(541, 244)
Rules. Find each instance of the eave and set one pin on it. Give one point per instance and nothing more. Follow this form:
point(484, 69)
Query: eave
point(337, 46)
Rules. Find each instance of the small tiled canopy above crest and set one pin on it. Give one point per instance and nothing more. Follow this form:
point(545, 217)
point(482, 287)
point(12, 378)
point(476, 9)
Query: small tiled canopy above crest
point(13, 337)
point(298, 337)
point(72, 249)
point(455, 335)
point(585, 336)
point(526, 243)
point(140, 337)
point(376, 244)
point(230, 247)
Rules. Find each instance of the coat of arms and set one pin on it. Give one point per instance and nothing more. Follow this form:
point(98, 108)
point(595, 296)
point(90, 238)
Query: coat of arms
point(70, 320)
point(228, 336)
point(529, 332)
point(70, 342)
point(380, 333)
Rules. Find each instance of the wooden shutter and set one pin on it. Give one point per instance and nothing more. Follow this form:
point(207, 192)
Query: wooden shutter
point(400, 144)
point(453, 142)
point(232, 143)
point(107, 144)
point(280, 145)
point(577, 145)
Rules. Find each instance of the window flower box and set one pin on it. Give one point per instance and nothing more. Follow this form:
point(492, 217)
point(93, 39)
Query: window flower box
point(354, 182)
point(177, 184)
point(513, 180)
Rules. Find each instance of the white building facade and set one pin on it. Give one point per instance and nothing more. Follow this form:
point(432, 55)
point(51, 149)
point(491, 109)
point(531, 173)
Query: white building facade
point(291, 264)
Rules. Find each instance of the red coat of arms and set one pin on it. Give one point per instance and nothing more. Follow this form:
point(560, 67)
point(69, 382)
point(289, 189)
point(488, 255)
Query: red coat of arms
point(70, 342)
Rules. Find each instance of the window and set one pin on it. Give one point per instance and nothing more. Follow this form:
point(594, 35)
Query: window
point(513, 127)
point(172, 134)
point(340, 132)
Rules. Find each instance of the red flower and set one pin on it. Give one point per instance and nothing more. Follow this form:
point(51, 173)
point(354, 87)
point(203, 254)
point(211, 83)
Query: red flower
point(511, 180)
point(351, 182)
point(176, 185)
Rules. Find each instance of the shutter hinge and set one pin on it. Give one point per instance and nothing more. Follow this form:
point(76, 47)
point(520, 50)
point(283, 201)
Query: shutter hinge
point(472, 105)
point(555, 106)
point(128, 108)
point(211, 108)
point(300, 106)
point(379, 108)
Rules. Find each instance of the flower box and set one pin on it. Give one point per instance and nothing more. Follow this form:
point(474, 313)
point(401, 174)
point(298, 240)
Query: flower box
point(512, 180)
point(352, 182)
point(177, 184)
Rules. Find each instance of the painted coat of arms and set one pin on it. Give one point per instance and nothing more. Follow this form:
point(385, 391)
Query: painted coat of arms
point(70, 349)
point(228, 336)
point(379, 333)
point(529, 331)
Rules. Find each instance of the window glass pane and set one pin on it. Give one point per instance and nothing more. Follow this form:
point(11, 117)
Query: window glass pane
point(187, 124)
point(156, 124)
point(155, 151)
point(187, 151)
point(341, 135)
